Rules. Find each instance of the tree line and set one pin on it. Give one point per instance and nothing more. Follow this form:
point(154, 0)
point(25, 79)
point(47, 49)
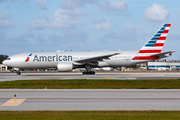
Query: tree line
point(2, 57)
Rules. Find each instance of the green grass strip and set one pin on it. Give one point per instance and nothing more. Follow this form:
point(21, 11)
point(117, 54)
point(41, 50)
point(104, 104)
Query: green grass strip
point(92, 84)
point(90, 115)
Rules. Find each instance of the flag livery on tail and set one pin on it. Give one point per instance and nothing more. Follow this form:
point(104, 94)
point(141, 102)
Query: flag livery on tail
point(154, 45)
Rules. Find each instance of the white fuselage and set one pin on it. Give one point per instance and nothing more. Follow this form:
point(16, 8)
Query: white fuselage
point(51, 59)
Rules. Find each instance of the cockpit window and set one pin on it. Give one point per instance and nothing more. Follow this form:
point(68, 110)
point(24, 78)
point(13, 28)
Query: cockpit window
point(7, 58)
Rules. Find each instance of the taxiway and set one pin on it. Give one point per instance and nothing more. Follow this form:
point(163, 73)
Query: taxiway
point(103, 75)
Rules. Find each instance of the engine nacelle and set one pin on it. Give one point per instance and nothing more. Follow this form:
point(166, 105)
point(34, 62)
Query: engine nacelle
point(65, 66)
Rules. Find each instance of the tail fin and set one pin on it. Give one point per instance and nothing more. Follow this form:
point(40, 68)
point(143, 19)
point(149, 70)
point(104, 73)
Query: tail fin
point(155, 44)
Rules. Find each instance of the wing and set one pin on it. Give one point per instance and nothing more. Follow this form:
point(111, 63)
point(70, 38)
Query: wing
point(95, 59)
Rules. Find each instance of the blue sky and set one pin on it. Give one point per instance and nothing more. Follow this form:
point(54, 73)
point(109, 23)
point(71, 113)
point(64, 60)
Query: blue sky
point(81, 25)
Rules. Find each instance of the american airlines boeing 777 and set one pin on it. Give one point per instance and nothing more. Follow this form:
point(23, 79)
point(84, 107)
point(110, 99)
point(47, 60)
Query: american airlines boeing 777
point(67, 61)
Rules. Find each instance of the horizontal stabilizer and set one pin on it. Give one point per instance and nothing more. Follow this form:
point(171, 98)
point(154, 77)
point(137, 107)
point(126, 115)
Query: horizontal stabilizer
point(164, 53)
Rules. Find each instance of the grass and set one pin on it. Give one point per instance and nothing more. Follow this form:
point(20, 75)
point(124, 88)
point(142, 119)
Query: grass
point(92, 84)
point(89, 115)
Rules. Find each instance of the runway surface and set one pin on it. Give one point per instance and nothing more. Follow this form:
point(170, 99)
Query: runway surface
point(90, 99)
point(104, 75)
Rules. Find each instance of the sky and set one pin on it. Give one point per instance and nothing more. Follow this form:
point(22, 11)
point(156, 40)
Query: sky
point(86, 25)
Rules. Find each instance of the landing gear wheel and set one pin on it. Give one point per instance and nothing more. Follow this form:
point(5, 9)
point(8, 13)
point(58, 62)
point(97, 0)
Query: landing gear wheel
point(88, 73)
point(92, 72)
point(18, 73)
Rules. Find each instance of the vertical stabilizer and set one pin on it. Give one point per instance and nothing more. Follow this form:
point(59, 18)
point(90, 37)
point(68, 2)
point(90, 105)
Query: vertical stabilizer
point(155, 44)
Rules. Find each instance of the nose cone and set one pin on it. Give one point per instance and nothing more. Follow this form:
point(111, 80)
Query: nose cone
point(4, 62)
point(7, 61)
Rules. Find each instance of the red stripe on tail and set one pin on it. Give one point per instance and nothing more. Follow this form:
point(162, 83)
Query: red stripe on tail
point(158, 44)
point(169, 25)
point(150, 51)
point(165, 31)
point(162, 38)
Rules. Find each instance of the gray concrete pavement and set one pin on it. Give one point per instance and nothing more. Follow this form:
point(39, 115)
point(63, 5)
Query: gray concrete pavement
point(105, 75)
point(93, 99)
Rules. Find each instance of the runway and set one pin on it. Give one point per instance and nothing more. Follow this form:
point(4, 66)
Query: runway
point(91, 99)
point(103, 75)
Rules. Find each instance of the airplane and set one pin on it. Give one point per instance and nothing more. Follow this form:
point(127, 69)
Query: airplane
point(67, 61)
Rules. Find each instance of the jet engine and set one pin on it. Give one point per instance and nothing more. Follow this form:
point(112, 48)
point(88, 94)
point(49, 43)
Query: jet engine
point(65, 66)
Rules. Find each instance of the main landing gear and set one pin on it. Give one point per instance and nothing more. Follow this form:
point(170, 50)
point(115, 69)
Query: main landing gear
point(18, 73)
point(88, 70)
